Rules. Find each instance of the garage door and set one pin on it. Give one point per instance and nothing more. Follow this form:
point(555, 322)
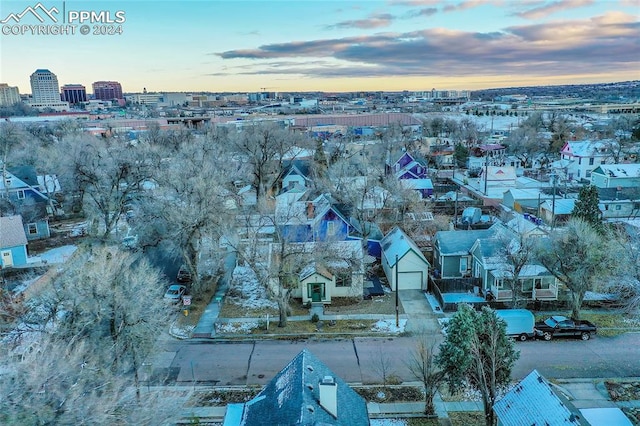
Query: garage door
point(410, 280)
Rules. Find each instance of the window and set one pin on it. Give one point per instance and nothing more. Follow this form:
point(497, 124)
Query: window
point(591, 161)
point(579, 161)
point(32, 229)
point(343, 279)
point(618, 207)
point(331, 228)
point(20, 194)
point(464, 264)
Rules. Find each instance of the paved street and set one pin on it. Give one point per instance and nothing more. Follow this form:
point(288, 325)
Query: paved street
point(358, 360)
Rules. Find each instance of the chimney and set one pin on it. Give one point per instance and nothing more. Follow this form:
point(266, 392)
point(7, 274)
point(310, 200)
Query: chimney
point(310, 210)
point(329, 395)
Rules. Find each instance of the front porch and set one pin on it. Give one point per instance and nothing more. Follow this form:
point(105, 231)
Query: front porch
point(540, 288)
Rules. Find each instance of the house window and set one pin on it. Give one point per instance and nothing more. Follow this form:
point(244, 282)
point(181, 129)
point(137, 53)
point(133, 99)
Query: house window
point(343, 279)
point(332, 228)
point(20, 194)
point(579, 161)
point(618, 207)
point(32, 229)
point(591, 161)
point(464, 264)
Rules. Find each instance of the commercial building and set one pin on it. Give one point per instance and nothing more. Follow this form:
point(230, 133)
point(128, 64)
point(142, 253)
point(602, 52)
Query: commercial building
point(8, 95)
point(45, 91)
point(74, 93)
point(107, 90)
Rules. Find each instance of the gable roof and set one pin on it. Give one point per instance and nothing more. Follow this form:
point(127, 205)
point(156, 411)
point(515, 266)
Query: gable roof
point(315, 268)
point(562, 205)
point(292, 397)
point(618, 170)
point(587, 148)
point(12, 232)
point(397, 243)
point(534, 402)
point(459, 243)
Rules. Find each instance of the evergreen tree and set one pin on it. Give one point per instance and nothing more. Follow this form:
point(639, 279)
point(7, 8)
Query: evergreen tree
point(461, 155)
point(478, 352)
point(586, 207)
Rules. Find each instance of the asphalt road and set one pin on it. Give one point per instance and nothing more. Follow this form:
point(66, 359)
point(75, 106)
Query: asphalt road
point(359, 360)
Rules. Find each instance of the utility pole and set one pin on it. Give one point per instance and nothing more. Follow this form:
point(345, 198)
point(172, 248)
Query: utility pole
point(486, 170)
point(397, 291)
point(553, 176)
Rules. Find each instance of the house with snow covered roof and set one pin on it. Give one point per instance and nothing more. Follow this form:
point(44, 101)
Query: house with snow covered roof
point(582, 157)
point(13, 242)
point(616, 175)
point(304, 392)
point(533, 401)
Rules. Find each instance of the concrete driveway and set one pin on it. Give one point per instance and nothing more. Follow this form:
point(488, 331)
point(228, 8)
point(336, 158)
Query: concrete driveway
point(421, 318)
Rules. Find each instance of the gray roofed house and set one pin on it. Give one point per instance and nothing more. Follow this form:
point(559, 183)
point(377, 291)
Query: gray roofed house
point(13, 242)
point(452, 251)
point(533, 402)
point(305, 392)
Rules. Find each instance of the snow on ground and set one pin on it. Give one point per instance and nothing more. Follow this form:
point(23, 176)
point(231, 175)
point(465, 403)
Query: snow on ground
point(55, 255)
point(388, 422)
point(389, 326)
point(181, 331)
point(247, 291)
point(236, 327)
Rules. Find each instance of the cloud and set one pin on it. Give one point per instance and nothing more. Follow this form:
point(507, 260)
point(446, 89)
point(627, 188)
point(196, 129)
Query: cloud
point(428, 11)
point(374, 21)
point(550, 8)
point(602, 44)
point(470, 4)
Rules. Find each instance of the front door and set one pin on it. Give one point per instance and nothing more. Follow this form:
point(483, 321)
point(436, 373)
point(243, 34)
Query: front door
point(7, 259)
point(316, 292)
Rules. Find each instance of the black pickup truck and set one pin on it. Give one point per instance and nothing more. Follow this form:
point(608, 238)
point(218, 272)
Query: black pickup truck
point(559, 326)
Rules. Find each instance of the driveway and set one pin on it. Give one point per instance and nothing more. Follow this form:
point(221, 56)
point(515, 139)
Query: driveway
point(421, 318)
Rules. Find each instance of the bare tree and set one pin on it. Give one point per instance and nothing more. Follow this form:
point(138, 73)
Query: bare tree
point(625, 277)
point(517, 251)
point(264, 147)
point(423, 366)
point(578, 256)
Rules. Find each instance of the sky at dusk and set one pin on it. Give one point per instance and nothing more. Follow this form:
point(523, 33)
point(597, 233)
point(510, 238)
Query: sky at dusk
point(305, 45)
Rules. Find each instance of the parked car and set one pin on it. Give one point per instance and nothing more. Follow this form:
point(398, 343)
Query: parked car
point(174, 293)
point(559, 326)
point(520, 323)
point(184, 276)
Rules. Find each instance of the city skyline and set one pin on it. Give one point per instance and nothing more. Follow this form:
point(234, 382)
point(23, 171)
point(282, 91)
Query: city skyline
point(331, 46)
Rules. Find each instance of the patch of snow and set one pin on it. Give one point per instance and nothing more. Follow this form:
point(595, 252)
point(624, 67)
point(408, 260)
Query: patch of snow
point(247, 291)
point(181, 332)
point(236, 327)
point(55, 255)
point(389, 326)
point(388, 422)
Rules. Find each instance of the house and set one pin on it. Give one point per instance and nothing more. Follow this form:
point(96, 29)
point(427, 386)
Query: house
point(22, 187)
point(582, 157)
point(616, 176)
point(619, 203)
point(534, 401)
point(296, 173)
point(13, 242)
point(498, 176)
point(323, 270)
point(424, 187)
point(558, 210)
point(401, 257)
point(407, 167)
point(488, 257)
point(304, 392)
point(526, 225)
point(452, 251)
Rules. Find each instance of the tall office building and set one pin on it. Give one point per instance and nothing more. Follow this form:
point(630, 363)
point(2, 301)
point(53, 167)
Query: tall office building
point(107, 90)
point(44, 87)
point(74, 93)
point(8, 95)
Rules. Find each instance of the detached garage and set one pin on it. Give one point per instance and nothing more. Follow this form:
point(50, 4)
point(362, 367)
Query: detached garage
point(413, 267)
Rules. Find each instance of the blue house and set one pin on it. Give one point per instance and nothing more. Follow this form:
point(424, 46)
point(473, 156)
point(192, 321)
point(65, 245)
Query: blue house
point(25, 193)
point(13, 242)
point(412, 173)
